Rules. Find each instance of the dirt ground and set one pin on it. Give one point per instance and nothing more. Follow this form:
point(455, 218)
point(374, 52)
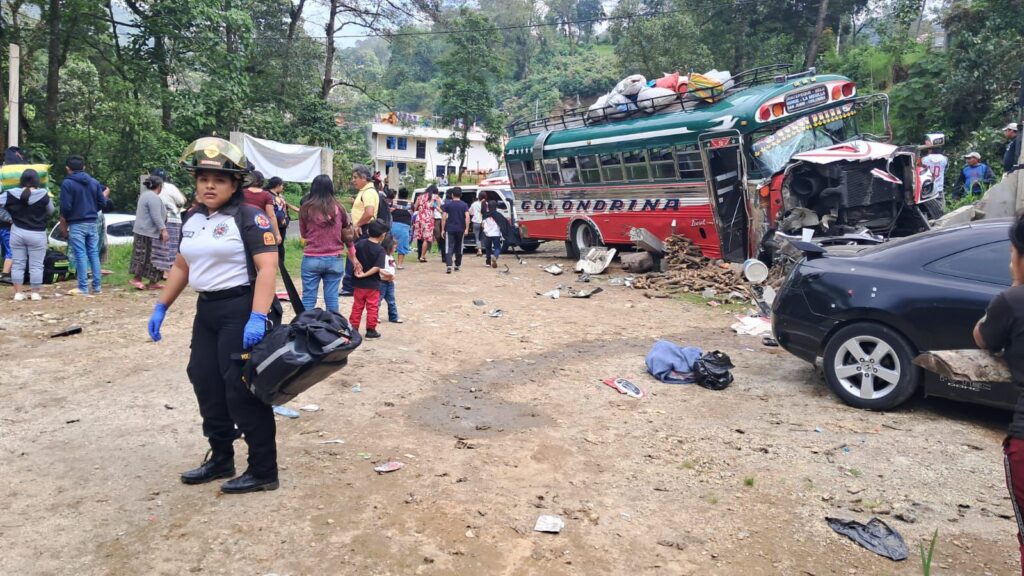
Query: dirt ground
point(498, 420)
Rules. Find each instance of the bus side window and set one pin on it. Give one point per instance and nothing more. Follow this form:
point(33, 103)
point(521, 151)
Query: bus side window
point(569, 172)
point(663, 164)
point(690, 166)
point(589, 172)
point(636, 165)
point(551, 173)
point(518, 172)
point(611, 167)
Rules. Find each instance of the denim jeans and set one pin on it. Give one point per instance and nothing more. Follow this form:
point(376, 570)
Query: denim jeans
point(317, 268)
point(387, 294)
point(85, 250)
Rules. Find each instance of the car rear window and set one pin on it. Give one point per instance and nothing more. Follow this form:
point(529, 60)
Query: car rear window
point(987, 263)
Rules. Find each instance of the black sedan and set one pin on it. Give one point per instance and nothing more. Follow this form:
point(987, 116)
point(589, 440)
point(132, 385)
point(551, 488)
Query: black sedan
point(867, 313)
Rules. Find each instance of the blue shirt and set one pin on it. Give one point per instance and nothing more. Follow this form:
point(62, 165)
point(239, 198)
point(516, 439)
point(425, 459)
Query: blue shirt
point(974, 176)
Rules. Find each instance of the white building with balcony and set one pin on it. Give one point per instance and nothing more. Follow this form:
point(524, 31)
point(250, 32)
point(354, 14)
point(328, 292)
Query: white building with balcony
point(403, 140)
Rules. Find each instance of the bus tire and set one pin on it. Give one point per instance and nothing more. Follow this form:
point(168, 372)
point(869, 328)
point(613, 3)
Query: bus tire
point(933, 209)
point(570, 250)
point(582, 237)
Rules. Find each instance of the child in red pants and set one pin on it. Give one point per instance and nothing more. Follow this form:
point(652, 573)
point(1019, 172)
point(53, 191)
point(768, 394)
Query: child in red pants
point(366, 285)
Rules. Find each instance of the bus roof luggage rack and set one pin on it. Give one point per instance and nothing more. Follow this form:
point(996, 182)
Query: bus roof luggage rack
point(584, 116)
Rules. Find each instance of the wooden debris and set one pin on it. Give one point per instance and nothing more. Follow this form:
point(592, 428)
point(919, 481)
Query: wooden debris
point(689, 271)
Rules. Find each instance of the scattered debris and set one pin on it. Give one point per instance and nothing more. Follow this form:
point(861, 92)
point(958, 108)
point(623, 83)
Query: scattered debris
point(168, 407)
point(688, 271)
point(554, 269)
point(753, 326)
point(506, 270)
point(596, 261)
point(389, 466)
point(637, 262)
point(624, 387)
point(583, 277)
point(334, 441)
point(876, 536)
point(769, 341)
point(357, 388)
point(496, 313)
point(478, 302)
point(69, 331)
point(574, 293)
point(73, 420)
point(553, 294)
point(285, 411)
point(549, 524)
point(310, 408)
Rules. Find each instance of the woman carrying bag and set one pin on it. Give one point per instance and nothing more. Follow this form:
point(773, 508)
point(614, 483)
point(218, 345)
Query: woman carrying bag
point(228, 254)
point(327, 229)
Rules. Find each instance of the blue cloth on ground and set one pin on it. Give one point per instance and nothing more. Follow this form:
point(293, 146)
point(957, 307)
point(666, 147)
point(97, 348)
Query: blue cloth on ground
point(671, 363)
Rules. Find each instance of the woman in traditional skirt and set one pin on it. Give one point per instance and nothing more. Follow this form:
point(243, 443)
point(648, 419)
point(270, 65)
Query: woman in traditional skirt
point(150, 226)
point(173, 200)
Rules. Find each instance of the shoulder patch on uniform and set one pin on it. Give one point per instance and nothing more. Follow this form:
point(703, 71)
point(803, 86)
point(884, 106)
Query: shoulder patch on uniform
point(262, 221)
point(268, 238)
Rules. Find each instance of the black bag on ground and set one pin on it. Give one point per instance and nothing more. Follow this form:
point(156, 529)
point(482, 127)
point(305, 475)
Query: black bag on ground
point(712, 370)
point(293, 357)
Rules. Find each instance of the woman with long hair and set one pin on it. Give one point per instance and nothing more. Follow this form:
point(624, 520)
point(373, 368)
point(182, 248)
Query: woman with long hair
point(229, 256)
point(30, 208)
point(424, 228)
point(323, 223)
point(150, 226)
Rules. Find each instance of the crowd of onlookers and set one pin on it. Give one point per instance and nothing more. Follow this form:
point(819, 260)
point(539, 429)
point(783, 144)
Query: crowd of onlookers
point(355, 254)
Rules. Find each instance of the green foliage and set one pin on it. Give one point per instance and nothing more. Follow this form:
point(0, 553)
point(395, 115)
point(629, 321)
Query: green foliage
point(469, 71)
point(926, 558)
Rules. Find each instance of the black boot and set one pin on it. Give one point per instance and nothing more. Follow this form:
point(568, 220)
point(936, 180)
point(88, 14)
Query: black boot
point(219, 466)
point(249, 483)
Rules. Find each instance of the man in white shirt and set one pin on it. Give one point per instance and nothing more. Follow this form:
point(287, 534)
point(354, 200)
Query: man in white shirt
point(477, 218)
point(936, 163)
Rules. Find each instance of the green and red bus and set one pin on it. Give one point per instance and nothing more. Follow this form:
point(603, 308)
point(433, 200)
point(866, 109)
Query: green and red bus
point(704, 171)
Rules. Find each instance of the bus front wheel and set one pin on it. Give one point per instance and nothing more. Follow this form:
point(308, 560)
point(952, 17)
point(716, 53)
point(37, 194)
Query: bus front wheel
point(582, 238)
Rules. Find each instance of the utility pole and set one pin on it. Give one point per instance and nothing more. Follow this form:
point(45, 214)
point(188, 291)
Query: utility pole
point(13, 94)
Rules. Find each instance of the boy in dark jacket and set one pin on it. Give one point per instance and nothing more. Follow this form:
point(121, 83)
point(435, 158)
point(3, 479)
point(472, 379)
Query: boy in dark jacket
point(366, 285)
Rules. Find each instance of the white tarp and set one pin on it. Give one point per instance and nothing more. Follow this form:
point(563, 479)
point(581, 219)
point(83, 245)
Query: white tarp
point(291, 162)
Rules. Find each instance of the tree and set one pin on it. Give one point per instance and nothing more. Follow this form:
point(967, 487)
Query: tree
point(469, 70)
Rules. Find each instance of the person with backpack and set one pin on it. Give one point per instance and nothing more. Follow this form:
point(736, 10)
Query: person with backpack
point(228, 254)
point(30, 207)
point(323, 223)
point(365, 209)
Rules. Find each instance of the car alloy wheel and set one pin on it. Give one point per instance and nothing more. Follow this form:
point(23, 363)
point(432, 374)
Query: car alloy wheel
point(870, 365)
point(867, 367)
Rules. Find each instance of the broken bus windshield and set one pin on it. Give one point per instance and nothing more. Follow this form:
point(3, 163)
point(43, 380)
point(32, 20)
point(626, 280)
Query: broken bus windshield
point(772, 150)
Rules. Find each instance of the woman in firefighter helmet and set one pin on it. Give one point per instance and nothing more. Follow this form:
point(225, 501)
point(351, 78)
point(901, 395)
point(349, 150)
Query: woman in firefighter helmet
point(228, 254)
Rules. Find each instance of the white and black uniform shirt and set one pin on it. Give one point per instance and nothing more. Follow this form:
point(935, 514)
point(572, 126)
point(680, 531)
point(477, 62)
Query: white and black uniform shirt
point(215, 249)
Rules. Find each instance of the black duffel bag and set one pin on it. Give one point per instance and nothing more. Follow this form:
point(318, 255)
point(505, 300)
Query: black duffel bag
point(295, 356)
point(712, 370)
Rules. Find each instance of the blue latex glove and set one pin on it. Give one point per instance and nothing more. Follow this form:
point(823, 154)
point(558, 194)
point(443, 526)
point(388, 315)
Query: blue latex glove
point(255, 330)
point(156, 320)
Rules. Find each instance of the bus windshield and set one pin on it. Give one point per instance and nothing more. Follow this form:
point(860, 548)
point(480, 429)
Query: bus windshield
point(772, 150)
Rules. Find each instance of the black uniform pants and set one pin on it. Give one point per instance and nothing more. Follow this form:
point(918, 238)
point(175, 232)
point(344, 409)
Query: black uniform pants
point(224, 402)
point(453, 247)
